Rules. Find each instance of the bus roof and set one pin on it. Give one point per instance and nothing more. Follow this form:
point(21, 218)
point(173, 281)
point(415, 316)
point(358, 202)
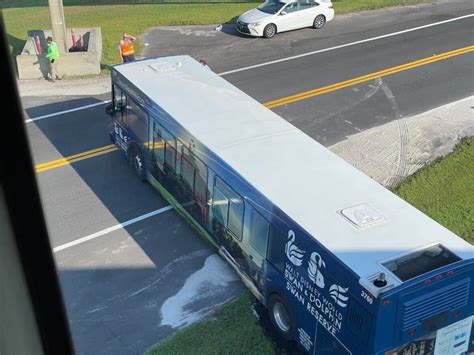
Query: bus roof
point(357, 219)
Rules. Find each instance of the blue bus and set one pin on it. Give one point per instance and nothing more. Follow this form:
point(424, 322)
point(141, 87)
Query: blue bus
point(342, 265)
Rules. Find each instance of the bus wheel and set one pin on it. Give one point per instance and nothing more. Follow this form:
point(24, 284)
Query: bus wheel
point(281, 316)
point(138, 164)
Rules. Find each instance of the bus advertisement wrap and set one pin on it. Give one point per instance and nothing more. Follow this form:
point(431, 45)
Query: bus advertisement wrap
point(342, 265)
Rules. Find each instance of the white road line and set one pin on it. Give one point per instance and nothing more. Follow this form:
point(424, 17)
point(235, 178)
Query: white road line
point(344, 45)
point(111, 229)
point(282, 60)
point(67, 111)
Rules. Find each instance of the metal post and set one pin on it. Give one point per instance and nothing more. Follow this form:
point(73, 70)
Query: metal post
point(58, 25)
point(73, 39)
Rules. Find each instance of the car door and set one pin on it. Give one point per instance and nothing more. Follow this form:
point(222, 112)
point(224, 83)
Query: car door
point(288, 19)
point(308, 10)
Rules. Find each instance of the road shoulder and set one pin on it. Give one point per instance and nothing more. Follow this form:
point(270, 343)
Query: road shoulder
point(391, 152)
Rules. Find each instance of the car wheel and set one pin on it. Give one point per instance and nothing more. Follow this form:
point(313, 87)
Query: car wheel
point(319, 22)
point(281, 316)
point(269, 31)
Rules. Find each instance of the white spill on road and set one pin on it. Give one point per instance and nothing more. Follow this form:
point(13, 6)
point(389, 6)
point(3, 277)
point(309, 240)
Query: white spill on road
point(188, 305)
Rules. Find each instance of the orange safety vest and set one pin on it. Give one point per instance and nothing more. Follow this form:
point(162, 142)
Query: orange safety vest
point(127, 48)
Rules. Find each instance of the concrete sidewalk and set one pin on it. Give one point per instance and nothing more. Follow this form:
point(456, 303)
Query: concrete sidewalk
point(394, 151)
point(89, 86)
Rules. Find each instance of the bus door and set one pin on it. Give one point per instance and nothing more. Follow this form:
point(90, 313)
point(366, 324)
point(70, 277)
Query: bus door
point(162, 146)
point(243, 246)
point(254, 245)
point(120, 121)
point(194, 176)
point(228, 221)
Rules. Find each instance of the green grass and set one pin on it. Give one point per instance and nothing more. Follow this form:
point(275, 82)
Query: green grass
point(20, 18)
point(110, 19)
point(235, 331)
point(340, 4)
point(444, 191)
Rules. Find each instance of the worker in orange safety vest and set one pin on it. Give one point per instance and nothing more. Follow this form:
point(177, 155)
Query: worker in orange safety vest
point(127, 52)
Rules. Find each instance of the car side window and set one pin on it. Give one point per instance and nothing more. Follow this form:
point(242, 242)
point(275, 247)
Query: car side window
point(306, 4)
point(291, 8)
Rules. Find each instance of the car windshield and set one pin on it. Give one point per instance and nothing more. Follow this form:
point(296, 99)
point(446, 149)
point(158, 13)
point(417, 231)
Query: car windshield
point(271, 6)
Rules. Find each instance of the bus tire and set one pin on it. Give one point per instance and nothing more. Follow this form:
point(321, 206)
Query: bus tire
point(138, 163)
point(281, 316)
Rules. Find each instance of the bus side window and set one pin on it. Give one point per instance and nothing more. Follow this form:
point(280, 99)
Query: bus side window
point(259, 228)
point(276, 249)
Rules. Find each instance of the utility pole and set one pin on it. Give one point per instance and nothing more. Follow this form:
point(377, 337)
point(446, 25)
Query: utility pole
point(58, 25)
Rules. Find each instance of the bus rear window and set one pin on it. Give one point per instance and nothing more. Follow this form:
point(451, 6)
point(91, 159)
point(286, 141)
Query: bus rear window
point(421, 262)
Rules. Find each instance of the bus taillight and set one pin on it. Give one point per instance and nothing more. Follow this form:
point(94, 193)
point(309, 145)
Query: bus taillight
point(412, 332)
point(438, 277)
point(450, 273)
point(427, 282)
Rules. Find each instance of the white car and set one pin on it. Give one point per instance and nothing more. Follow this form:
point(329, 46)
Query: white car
point(276, 16)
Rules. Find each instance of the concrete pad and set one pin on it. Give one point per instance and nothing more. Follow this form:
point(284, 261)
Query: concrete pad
point(391, 152)
point(33, 65)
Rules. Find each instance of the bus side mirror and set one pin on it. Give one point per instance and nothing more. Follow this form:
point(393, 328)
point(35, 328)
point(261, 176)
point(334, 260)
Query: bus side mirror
point(109, 109)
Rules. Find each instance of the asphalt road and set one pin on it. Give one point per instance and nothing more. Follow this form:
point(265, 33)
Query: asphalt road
point(131, 287)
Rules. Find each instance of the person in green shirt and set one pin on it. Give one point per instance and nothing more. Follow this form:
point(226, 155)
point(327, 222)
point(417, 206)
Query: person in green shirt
point(53, 56)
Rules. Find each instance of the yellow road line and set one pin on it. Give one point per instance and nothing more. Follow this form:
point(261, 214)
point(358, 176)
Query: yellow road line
point(75, 158)
point(361, 79)
point(54, 162)
point(276, 103)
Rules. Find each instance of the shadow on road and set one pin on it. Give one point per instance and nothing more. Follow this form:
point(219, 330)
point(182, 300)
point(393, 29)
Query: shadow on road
point(114, 302)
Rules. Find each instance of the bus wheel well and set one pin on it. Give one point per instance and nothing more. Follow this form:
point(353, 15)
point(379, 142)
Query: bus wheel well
point(281, 316)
